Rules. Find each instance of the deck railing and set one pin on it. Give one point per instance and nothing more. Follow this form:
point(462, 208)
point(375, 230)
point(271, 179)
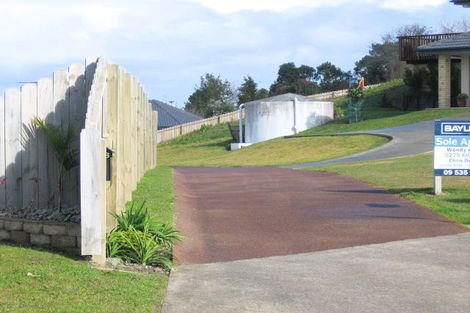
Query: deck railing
point(408, 45)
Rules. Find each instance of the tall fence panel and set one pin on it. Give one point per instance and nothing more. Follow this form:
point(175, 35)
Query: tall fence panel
point(120, 129)
point(28, 166)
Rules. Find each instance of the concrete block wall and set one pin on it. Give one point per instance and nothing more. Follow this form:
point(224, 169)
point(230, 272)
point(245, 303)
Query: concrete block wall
point(58, 236)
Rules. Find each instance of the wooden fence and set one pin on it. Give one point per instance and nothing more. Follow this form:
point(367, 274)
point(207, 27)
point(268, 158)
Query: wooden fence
point(119, 121)
point(28, 167)
point(183, 129)
point(334, 94)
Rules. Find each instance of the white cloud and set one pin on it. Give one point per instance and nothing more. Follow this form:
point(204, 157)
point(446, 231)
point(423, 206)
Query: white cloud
point(230, 6)
point(410, 5)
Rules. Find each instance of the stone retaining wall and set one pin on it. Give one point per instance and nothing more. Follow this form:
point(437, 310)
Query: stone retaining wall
point(60, 236)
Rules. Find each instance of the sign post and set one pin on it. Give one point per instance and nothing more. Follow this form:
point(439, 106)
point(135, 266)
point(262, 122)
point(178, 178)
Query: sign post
point(451, 151)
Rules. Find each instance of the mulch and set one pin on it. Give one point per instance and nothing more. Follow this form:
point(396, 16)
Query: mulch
point(230, 214)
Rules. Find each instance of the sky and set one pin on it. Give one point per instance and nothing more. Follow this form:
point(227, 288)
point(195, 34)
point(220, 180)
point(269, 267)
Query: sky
point(168, 45)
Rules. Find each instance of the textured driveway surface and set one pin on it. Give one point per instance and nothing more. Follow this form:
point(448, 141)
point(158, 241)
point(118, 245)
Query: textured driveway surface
point(230, 214)
point(406, 140)
point(430, 275)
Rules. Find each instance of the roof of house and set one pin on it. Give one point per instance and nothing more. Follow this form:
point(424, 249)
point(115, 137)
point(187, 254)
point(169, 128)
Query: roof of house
point(458, 42)
point(281, 98)
point(465, 3)
point(169, 116)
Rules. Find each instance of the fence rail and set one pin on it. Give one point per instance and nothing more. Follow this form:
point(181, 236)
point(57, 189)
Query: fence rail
point(407, 46)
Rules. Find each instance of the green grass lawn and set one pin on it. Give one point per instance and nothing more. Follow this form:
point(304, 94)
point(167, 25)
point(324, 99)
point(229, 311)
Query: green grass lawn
point(392, 119)
point(412, 177)
point(67, 284)
point(63, 284)
point(156, 189)
point(209, 148)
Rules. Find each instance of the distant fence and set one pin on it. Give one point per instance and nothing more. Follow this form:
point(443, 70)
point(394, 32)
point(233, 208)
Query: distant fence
point(28, 168)
point(183, 129)
point(119, 122)
point(334, 94)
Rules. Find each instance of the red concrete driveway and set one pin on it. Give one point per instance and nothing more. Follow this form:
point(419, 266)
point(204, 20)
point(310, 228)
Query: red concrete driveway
point(240, 213)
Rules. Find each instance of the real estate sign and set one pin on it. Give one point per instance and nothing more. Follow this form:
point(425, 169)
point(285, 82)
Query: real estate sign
point(452, 148)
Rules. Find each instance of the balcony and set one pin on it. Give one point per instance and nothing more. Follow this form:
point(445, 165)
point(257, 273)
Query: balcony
point(408, 44)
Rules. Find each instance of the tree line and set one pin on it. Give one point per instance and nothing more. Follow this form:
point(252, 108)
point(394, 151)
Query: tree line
point(215, 95)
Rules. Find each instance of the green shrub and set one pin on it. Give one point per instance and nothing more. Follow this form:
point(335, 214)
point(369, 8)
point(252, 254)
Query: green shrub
point(386, 97)
point(137, 238)
point(140, 247)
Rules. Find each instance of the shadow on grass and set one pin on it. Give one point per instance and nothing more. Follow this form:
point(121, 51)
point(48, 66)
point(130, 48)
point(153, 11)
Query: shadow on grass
point(462, 201)
point(425, 191)
point(68, 255)
point(224, 144)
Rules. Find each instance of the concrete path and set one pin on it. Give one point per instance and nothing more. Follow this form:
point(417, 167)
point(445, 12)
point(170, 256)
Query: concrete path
point(230, 214)
point(430, 275)
point(406, 140)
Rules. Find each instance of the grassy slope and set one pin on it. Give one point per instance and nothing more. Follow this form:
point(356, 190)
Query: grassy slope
point(404, 118)
point(208, 148)
point(65, 284)
point(412, 177)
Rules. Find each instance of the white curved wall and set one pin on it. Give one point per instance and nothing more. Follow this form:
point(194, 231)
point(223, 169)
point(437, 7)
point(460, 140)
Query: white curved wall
point(267, 120)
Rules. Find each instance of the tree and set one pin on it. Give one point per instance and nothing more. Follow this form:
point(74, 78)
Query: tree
point(331, 78)
point(214, 96)
point(248, 91)
point(459, 26)
point(295, 80)
point(262, 93)
point(383, 61)
point(415, 81)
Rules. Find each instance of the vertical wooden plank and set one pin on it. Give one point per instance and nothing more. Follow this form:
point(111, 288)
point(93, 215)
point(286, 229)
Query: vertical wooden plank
point(120, 151)
point(132, 122)
point(90, 67)
point(75, 97)
point(155, 126)
point(29, 142)
point(45, 112)
point(141, 138)
point(93, 210)
point(138, 139)
point(58, 119)
point(14, 196)
point(126, 109)
point(111, 142)
point(2, 153)
point(61, 86)
point(149, 134)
